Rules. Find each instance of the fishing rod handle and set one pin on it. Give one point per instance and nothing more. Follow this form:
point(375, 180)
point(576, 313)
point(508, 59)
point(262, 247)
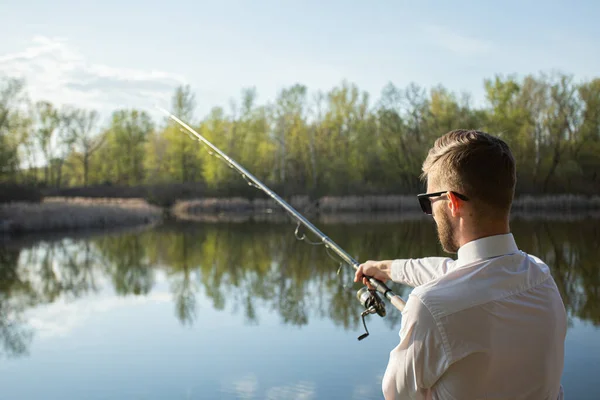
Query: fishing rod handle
point(387, 292)
point(382, 288)
point(398, 302)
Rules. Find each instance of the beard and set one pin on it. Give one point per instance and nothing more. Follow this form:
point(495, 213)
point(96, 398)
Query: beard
point(446, 234)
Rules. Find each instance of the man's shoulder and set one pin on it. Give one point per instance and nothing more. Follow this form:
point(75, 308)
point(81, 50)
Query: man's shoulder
point(478, 283)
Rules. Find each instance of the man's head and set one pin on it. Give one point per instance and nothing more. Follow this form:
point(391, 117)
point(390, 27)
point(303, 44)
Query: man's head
point(477, 167)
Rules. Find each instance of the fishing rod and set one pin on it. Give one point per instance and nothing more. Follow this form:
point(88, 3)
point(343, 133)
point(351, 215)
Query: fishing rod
point(367, 297)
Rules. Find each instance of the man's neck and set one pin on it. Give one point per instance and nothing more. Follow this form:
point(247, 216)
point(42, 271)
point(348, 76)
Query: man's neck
point(474, 234)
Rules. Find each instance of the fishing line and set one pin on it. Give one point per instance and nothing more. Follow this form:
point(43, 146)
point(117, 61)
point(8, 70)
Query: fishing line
point(369, 298)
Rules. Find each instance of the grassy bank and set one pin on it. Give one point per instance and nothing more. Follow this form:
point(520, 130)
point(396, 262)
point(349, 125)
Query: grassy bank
point(320, 219)
point(369, 204)
point(327, 204)
point(563, 202)
point(60, 214)
point(75, 213)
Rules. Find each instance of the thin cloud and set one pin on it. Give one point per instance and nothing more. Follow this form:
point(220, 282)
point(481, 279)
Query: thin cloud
point(114, 84)
point(456, 42)
point(56, 71)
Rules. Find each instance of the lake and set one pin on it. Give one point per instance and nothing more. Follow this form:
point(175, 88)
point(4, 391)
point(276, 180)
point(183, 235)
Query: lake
point(240, 310)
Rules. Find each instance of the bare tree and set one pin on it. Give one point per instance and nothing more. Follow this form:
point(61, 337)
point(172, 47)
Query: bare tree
point(47, 122)
point(85, 139)
point(64, 141)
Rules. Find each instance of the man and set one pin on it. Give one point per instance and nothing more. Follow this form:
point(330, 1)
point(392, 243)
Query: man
point(490, 324)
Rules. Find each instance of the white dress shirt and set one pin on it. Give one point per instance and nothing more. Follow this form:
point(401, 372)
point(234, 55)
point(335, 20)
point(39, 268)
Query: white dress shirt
point(490, 325)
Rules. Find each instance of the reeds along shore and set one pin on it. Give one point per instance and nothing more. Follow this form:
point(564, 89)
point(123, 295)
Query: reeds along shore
point(60, 214)
point(368, 204)
point(325, 204)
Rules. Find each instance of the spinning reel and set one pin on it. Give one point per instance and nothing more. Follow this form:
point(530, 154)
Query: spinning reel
point(373, 305)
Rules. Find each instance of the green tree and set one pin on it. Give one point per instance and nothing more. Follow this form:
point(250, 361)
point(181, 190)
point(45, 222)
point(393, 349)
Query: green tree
point(587, 148)
point(344, 121)
point(290, 136)
point(11, 124)
point(181, 155)
point(121, 160)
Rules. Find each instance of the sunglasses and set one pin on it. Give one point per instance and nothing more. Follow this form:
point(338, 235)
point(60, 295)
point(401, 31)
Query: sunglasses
point(425, 199)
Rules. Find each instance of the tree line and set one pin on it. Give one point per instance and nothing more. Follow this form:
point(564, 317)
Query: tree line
point(337, 142)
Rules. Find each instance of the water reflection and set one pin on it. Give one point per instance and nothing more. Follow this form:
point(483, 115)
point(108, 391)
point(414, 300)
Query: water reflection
point(14, 299)
point(258, 268)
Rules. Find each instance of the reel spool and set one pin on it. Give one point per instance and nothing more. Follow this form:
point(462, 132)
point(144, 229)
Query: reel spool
point(372, 304)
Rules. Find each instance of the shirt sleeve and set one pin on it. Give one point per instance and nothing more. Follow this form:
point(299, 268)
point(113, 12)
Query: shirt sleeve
point(419, 360)
point(418, 271)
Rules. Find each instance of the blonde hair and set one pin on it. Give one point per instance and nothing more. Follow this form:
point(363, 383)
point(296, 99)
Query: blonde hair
point(476, 164)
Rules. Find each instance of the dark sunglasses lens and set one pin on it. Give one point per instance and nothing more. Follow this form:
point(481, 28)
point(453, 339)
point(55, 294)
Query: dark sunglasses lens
point(425, 205)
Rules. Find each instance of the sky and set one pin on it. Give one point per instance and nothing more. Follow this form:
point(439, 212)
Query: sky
point(133, 54)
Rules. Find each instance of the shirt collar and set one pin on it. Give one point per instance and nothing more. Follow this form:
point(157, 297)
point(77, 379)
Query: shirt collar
point(487, 247)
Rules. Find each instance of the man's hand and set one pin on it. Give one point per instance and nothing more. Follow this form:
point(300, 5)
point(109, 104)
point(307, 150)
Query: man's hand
point(380, 270)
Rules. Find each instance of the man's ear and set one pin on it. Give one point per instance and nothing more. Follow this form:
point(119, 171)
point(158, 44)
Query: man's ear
point(454, 205)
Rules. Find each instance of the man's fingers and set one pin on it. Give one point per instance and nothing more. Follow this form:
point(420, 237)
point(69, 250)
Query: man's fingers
point(359, 274)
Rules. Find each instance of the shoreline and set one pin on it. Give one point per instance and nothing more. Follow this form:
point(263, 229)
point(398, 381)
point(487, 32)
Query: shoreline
point(369, 204)
point(76, 214)
point(350, 218)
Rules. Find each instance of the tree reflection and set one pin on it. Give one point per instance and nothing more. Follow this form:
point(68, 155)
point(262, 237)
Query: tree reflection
point(253, 267)
point(571, 250)
point(124, 258)
point(15, 296)
point(256, 268)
